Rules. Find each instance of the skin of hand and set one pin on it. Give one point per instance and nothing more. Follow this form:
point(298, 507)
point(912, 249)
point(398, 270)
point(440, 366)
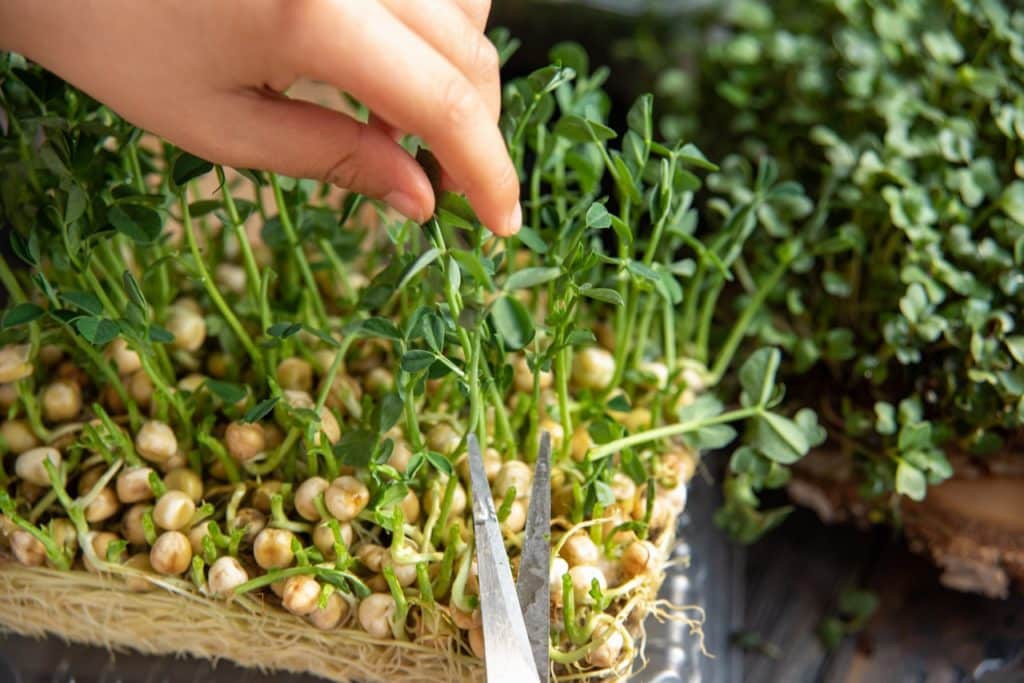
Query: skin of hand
point(209, 77)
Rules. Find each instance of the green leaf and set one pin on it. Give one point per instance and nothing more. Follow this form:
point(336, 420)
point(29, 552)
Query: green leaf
point(391, 406)
point(188, 167)
point(77, 203)
point(910, 481)
point(943, 46)
point(757, 375)
point(807, 420)
point(424, 260)
point(1012, 201)
point(531, 277)
point(598, 217)
point(779, 438)
point(160, 335)
point(136, 222)
point(356, 447)
point(608, 296)
point(642, 272)
point(417, 360)
point(706, 406)
point(580, 338)
point(640, 117)
point(1015, 345)
point(20, 314)
point(261, 409)
point(474, 267)
point(625, 180)
point(87, 301)
point(433, 331)
point(454, 274)
point(604, 431)
point(381, 327)
point(571, 55)
point(226, 391)
point(711, 437)
point(439, 463)
point(512, 322)
point(390, 495)
point(204, 206)
point(283, 330)
point(885, 418)
point(548, 78)
point(915, 436)
point(578, 129)
point(532, 240)
point(690, 155)
point(456, 211)
point(97, 331)
point(26, 250)
point(618, 403)
point(603, 492)
point(634, 467)
point(135, 295)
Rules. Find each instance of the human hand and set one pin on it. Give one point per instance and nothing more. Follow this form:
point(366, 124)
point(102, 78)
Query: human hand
point(208, 76)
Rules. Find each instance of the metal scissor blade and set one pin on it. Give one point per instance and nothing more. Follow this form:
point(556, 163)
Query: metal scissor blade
point(532, 584)
point(507, 652)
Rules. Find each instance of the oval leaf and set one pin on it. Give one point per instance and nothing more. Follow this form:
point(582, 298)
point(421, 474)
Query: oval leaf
point(20, 315)
point(512, 322)
point(531, 277)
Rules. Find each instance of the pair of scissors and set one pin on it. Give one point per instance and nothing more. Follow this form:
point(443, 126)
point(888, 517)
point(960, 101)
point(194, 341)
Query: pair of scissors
point(516, 617)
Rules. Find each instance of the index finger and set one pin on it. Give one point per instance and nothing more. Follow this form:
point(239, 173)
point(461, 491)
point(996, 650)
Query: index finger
point(398, 75)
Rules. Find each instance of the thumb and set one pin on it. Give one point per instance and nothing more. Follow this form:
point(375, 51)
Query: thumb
point(304, 140)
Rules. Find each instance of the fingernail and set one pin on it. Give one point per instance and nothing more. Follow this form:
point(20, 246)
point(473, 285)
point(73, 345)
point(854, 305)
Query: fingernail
point(515, 220)
point(404, 204)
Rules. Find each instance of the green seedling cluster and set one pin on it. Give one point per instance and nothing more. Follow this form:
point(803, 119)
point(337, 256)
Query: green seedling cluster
point(247, 386)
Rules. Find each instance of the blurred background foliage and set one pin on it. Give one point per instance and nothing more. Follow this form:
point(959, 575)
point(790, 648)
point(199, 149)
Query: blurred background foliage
point(894, 130)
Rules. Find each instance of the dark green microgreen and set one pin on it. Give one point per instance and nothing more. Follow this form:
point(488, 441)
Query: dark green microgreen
point(226, 391)
point(261, 409)
point(20, 314)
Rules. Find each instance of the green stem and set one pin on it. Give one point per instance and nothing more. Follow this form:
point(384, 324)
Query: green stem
point(97, 289)
point(423, 581)
point(671, 430)
point(252, 274)
point(444, 577)
point(562, 379)
point(504, 428)
point(340, 272)
point(272, 463)
point(707, 314)
point(300, 255)
point(690, 300)
point(412, 425)
point(230, 466)
point(401, 604)
point(170, 395)
point(211, 287)
point(644, 330)
point(732, 342)
point(332, 372)
point(668, 328)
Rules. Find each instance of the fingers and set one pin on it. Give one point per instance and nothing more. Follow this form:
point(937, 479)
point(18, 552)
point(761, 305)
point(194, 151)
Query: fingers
point(398, 75)
point(305, 140)
point(449, 29)
point(476, 11)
